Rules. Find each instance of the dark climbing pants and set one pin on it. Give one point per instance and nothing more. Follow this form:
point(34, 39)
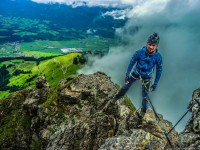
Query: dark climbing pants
point(125, 88)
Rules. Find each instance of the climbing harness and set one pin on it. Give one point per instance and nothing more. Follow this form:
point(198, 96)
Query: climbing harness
point(146, 83)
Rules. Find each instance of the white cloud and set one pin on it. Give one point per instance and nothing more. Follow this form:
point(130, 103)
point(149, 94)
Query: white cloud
point(146, 7)
point(141, 7)
point(91, 31)
point(117, 14)
point(90, 3)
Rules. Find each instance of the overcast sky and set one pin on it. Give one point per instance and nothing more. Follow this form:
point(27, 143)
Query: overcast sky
point(177, 22)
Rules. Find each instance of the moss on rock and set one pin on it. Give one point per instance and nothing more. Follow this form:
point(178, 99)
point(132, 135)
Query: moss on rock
point(13, 120)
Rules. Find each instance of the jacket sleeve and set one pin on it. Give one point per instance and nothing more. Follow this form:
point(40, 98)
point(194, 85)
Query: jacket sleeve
point(132, 63)
point(158, 69)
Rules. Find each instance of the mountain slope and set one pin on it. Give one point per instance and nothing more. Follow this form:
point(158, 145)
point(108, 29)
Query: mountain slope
point(54, 69)
point(70, 117)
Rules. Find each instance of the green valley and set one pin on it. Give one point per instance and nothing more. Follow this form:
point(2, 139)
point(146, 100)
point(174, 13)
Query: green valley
point(22, 74)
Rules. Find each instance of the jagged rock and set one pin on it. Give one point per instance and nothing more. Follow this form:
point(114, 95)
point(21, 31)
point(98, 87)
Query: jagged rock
point(41, 83)
point(42, 88)
point(134, 139)
point(153, 126)
point(190, 137)
point(70, 117)
point(37, 96)
point(86, 126)
point(142, 133)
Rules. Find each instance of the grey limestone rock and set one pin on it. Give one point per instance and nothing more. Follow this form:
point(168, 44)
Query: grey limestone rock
point(70, 117)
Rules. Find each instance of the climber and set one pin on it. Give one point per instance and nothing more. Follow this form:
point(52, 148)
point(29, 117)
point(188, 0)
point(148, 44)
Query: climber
point(141, 67)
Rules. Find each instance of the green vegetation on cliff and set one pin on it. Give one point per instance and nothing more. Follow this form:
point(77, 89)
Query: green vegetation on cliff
point(35, 118)
point(13, 121)
point(53, 69)
point(22, 74)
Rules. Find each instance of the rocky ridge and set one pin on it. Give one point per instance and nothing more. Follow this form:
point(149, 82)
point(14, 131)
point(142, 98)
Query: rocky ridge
point(70, 117)
point(190, 137)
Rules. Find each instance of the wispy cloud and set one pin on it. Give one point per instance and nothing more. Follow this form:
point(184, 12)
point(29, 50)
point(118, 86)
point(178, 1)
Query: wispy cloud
point(141, 7)
point(117, 14)
point(91, 31)
point(90, 3)
point(146, 7)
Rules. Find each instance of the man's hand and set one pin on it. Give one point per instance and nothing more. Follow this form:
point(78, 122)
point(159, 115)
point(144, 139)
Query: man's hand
point(153, 87)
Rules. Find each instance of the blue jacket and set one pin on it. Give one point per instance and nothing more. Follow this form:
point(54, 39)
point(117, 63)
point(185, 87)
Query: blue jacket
point(143, 63)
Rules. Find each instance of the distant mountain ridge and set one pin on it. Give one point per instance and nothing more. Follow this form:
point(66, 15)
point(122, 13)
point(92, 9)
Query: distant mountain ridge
point(60, 15)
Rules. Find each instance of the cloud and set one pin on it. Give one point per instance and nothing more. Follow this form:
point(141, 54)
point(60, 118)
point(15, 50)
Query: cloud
point(141, 7)
point(148, 7)
point(91, 31)
point(117, 14)
point(90, 3)
point(177, 23)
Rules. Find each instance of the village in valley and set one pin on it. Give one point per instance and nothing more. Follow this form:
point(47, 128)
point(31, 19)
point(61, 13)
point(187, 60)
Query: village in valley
point(41, 49)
